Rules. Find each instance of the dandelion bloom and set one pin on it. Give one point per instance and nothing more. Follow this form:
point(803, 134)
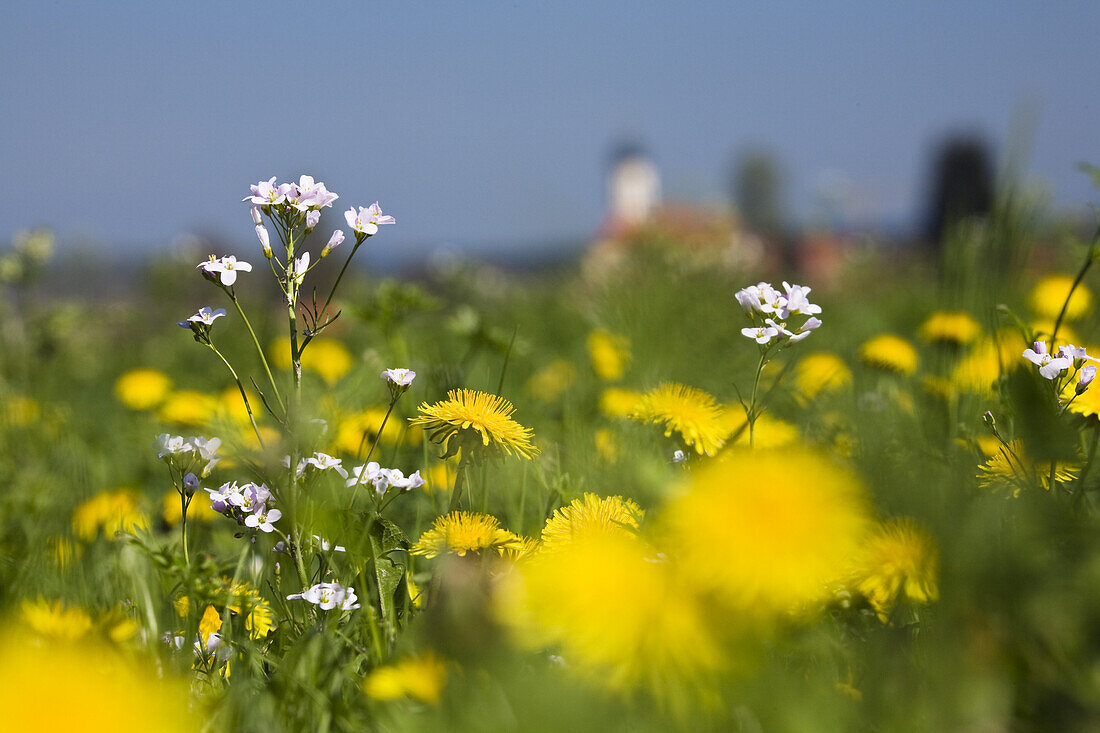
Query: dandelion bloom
point(768, 531)
point(891, 353)
point(618, 402)
point(551, 381)
point(188, 407)
point(111, 511)
point(53, 620)
point(1050, 294)
point(589, 515)
point(768, 432)
point(821, 372)
point(1011, 468)
point(609, 354)
point(689, 411)
point(489, 415)
point(421, 678)
point(957, 327)
point(142, 389)
point(987, 360)
point(172, 511)
point(461, 532)
point(899, 559)
point(327, 358)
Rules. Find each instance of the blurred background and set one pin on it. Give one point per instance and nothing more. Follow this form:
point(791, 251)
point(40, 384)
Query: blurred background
point(523, 132)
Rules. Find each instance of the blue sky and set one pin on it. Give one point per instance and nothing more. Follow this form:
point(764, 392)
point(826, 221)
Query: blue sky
point(489, 123)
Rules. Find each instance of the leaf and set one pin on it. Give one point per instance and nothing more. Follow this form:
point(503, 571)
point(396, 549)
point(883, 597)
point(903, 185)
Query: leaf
point(386, 538)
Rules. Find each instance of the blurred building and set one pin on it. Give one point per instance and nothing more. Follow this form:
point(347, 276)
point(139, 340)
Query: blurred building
point(633, 188)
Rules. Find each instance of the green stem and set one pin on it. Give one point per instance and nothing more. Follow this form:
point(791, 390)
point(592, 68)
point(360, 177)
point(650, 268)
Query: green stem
point(260, 351)
point(1076, 281)
point(244, 396)
point(460, 482)
point(362, 472)
point(335, 285)
point(752, 403)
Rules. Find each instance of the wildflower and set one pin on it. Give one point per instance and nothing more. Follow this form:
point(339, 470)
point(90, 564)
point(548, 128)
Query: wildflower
point(172, 445)
point(762, 335)
point(606, 445)
point(112, 511)
point(325, 462)
point(690, 411)
point(298, 268)
point(678, 456)
point(327, 546)
point(172, 512)
point(257, 217)
point(205, 316)
point(796, 303)
point(266, 193)
point(334, 241)
point(307, 194)
point(421, 678)
point(760, 298)
point(398, 380)
point(328, 596)
point(898, 560)
point(956, 328)
point(768, 431)
point(461, 532)
point(187, 407)
point(1085, 379)
point(589, 515)
point(142, 389)
point(53, 620)
point(265, 240)
point(472, 413)
point(312, 219)
point(366, 221)
point(889, 352)
point(1050, 367)
point(224, 269)
point(209, 625)
point(609, 353)
point(767, 530)
point(1050, 294)
point(1011, 467)
point(262, 519)
point(552, 380)
point(327, 358)
point(820, 372)
point(616, 402)
point(982, 366)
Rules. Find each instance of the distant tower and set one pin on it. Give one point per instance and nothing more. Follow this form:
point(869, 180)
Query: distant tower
point(962, 185)
point(633, 187)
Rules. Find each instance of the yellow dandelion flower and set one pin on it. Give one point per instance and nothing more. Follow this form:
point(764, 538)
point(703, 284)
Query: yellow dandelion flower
point(211, 623)
point(606, 446)
point(1050, 294)
point(1043, 329)
point(188, 407)
point(590, 515)
point(416, 598)
point(551, 381)
point(199, 509)
point(1085, 404)
point(891, 353)
point(987, 360)
point(1011, 468)
point(769, 431)
point(90, 688)
point(20, 411)
point(609, 353)
point(616, 611)
point(440, 476)
point(461, 532)
point(617, 402)
point(52, 619)
point(421, 678)
point(327, 358)
point(142, 389)
point(231, 407)
point(63, 551)
point(956, 328)
point(821, 372)
point(899, 559)
point(768, 530)
point(469, 410)
point(691, 412)
point(111, 511)
point(350, 429)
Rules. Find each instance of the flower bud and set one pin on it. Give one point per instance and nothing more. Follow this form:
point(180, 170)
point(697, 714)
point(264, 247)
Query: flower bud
point(265, 240)
point(1085, 379)
point(190, 483)
point(333, 242)
point(257, 219)
point(312, 217)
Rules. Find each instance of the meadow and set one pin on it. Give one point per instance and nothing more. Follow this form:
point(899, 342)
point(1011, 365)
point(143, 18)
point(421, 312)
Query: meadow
point(665, 491)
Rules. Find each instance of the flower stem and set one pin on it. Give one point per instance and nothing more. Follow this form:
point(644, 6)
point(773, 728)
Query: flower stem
point(244, 396)
point(751, 415)
point(460, 482)
point(1076, 281)
point(335, 285)
point(260, 351)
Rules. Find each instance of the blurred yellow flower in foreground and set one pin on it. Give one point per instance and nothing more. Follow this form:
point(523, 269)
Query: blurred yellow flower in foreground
point(112, 511)
point(53, 620)
point(769, 431)
point(87, 688)
point(460, 532)
point(142, 389)
point(768, 530)
point(199, 509)
point(551, 381)
point(617, 402)
point(617, 612)
point(20, 411)
point(978, 370)
point(350, 429)
point(490, 416)
point(899, 559)
point(589, 515)
point(606, 446)
point(691, 412)
point(421, 678)
point(821, 372)
point(944, 327)
point(889, 352)
point(609, 353)
point(188, 408)
point(1050, 294)
point(325, 357)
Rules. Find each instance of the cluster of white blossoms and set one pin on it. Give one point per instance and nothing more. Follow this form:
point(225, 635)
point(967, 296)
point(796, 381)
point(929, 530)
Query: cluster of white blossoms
point(383, 478)
point(1069, 356)
point(328, 596)
point(773, 311)
point(318, 462)
point(188, 455)
point(247, 504)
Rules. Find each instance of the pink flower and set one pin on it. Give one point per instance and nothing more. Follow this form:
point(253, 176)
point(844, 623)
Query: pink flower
point(367, 220)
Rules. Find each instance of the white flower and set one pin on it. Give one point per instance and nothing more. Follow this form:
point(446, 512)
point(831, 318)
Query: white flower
point(205, 316)
point(363, 474)
point(328, 596)
point(1049, 367)
point(312, 217)
point(326, 545)
point(171, 445)
point(796, 303)
point(760, 298)
point(225, 269)
point(225, 496)
point(367, 220)
point(297, 270)
point(263, 519)
point(679, 456)
point(762, 335)
point(1085, 378)
point(406, 483)
point(400, 377)
point(324, 462)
